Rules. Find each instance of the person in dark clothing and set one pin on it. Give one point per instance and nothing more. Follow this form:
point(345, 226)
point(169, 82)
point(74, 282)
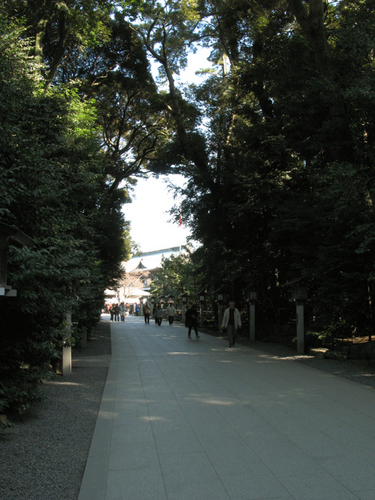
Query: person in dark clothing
point(117, 312)
point(191, 320)
point(156, 306)
point(147, 311)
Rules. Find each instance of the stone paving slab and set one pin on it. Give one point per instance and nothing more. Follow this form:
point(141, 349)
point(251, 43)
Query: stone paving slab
point(192, 419)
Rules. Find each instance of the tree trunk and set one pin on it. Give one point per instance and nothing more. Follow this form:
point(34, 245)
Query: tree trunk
point(313, 27)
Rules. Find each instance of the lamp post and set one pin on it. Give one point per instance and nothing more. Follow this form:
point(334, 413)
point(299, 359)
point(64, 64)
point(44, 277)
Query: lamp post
point(152, 302)
point(170, 299)
point(252, 299)
point(162, 301)
point(142, 300)
point(219, 298)
point(202, 298)
point(183, 298)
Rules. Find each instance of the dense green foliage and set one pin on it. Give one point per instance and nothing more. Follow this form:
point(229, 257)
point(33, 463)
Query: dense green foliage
point(277, 147)
point(276, 144)
point(178, 275)
point(54, 179)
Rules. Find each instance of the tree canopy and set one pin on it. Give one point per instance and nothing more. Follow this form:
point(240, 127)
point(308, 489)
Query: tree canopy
point(276, 145)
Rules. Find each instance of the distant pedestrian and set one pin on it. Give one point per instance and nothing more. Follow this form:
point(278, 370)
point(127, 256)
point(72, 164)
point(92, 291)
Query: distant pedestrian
point(117, 312)
point(159, 315)
point(232, 322)
point(154, 312)
point(171, 313)
point(122, 311)
point(147, 311)
point(191, 320)
point(112, 311)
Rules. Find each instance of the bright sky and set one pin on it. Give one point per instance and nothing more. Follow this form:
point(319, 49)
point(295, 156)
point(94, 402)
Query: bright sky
point(150, 226)
point(152, 200)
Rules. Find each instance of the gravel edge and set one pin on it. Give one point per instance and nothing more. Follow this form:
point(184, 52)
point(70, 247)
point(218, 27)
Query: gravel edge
point(44, 455)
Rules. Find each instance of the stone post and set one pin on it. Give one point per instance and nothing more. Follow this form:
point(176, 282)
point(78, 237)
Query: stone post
point(252, 298)
point(252, 320)
point(300, 318)
point(67, 350)
point(300, 295)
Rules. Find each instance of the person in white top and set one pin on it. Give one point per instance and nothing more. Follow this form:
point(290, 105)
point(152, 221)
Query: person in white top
point(232, 322)
point(171, 312)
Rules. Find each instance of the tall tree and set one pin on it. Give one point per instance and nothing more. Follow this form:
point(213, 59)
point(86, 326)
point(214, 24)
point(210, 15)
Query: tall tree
point(62, 30)
point(294, 191)
point(54, 187)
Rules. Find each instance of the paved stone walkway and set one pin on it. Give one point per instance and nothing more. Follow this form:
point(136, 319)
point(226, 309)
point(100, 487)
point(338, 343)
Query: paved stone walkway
point(194, 420)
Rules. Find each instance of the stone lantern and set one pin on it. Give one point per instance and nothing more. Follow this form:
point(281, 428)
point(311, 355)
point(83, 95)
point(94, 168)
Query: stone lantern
point(219, 297)
point(184, 299)
point(299, 296)
point(152, 303)
point(170, 299)
point(202, 298)
point(9, 235)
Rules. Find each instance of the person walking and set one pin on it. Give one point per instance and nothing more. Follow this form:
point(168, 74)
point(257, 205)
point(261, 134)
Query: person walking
point(191, 320)
point(122, 311)
point(154, 309)
point(147, 311)
point(117, 312)
point(232, 322)
point(159, 315)
point(171, 313)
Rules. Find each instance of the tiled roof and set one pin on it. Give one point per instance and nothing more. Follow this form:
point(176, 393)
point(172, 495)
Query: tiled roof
point(150, 260)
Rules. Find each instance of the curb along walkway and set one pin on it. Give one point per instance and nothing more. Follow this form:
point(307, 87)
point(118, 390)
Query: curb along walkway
point(192, 419)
